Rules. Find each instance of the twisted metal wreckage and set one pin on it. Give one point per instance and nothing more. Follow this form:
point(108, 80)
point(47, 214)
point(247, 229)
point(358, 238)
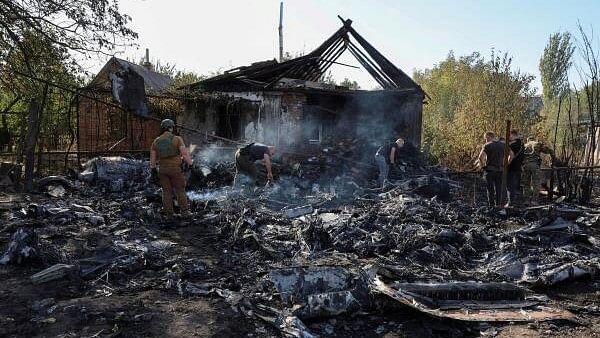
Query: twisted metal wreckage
point(307, 249)
point(321, 243)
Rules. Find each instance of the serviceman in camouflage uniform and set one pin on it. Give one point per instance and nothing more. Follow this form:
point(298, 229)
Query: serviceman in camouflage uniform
point(170, 150)
point(532, 162)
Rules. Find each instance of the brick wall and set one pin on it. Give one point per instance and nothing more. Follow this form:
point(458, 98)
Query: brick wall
point(101, 127)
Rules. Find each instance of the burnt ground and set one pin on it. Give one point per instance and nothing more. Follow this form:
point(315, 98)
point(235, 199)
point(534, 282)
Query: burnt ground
point(144, 311)
point(140, 295)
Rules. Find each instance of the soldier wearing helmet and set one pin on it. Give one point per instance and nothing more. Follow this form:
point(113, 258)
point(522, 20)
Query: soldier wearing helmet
point(169, 150)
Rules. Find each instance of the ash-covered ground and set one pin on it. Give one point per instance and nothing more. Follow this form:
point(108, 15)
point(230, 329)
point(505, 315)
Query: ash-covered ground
point(331, 257)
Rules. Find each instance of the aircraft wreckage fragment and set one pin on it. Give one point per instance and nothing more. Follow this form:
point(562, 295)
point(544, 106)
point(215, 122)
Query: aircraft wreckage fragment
point(328, 291)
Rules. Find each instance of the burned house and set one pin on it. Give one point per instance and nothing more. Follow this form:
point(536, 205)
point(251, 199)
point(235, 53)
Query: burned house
point(284, 104)
point(113, 109)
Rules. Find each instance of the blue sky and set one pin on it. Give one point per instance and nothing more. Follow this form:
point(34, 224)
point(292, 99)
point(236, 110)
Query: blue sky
point(203, 36)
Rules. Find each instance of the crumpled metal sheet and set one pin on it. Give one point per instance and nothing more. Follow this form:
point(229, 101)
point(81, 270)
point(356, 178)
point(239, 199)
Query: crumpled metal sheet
point(23, 247)
point(298, 283)
point(516, 311)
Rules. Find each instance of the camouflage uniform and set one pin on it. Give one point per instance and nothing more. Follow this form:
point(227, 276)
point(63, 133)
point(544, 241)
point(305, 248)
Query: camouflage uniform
point(531, 169)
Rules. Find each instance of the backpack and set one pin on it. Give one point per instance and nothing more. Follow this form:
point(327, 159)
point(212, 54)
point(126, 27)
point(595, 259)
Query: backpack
point(165, 147)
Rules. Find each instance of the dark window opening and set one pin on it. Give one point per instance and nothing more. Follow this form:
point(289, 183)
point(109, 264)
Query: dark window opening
point(229, 123)
point(318, 124)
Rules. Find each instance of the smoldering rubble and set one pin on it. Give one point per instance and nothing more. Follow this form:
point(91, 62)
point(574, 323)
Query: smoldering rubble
point(302, 257)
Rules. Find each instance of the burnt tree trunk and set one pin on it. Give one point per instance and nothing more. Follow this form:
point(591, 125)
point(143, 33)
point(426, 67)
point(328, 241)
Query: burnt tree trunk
point(33, 128)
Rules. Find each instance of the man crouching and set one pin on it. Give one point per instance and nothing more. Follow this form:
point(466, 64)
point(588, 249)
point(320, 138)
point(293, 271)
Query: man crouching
point(245, 166)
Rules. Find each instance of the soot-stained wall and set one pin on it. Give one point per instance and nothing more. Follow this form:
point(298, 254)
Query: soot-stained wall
point(283, 118)
point(266, 117)
point(379, 116)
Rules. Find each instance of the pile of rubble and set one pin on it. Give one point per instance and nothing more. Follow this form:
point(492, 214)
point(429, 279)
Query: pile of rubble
point(303, 258)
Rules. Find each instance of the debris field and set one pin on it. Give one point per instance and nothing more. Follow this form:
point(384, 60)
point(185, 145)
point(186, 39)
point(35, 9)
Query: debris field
point(90, 256)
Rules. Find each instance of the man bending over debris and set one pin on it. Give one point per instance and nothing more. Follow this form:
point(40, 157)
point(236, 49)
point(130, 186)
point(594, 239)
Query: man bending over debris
point(531, 168)
point(386, 156)
point(491, 160)
point(169, 150)
point(245, 166)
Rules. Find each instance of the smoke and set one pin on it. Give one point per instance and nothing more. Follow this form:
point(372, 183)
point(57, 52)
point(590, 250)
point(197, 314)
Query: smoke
point(211, 195)
point(212, 154)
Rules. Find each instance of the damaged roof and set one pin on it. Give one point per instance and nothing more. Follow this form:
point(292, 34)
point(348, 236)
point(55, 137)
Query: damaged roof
point(153, 81)
point(312, 67)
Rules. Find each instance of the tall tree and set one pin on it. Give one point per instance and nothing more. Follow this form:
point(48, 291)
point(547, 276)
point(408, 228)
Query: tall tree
point(469, 96)
point(554, 65)
point(78, 26)
point(555, 62)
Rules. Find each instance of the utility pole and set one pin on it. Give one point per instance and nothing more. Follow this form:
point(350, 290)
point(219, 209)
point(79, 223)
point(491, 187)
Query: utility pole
point(281, 31)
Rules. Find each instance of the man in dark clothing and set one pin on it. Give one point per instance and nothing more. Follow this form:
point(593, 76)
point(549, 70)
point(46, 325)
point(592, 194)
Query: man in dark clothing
point(386, 156)
point(515, 163)
point(491, 160)
point(245, 166)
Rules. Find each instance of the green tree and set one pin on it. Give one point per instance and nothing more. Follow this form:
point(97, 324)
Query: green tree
point(49, 63)
point(77, 26)
point(470, 95)
point(352, 85)
point(554, 65)
point(180, 77)
point(555, 62)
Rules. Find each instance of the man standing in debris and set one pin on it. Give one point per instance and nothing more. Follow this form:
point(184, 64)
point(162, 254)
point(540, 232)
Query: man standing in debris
point(491, 160)
point(170, 150)
point(245, 166)
point(532, 162)
point(515, 163)
point(386, 156)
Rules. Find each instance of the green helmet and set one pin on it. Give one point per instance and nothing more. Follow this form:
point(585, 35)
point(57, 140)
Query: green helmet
point(167, 123)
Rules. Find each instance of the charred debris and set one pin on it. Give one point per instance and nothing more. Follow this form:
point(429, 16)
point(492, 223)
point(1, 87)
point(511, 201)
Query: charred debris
point(310, 255)
point(323, 251)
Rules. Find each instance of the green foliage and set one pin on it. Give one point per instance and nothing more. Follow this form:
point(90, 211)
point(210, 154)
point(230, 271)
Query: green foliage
point(183, 78)
point(554, 65)
point(23, 79)
point(352, 85)
point(79, 26)
point(469, 96)
point(180, 77)
point(290, 56)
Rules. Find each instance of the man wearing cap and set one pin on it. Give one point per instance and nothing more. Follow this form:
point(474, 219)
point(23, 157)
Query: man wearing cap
point(169, 150)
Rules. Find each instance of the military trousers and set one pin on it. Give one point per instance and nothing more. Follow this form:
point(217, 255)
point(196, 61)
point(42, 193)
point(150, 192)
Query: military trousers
point(171, 179)
point(531, 182)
